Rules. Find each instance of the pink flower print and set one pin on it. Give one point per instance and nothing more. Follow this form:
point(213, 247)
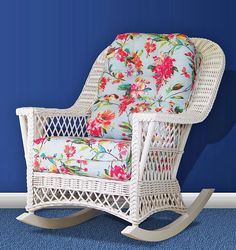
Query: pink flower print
point(122, 36)
point(103, 82)
point(69, 151)
point(39, 140)
point(185, 73)
point(123, 148)
point(83, 162)
point(158, 109)
point(92, 140)
point(118, 172)
point(140, 107)
point(64, 170)
point(93, 128)
point(188, 54)
point(36, 162)
point(121, 55)
point(105, 118)
point(130, 69)
point(119, 78)
point(124, 102)
point(150, 47)
point(163, 69)
point(170, 36)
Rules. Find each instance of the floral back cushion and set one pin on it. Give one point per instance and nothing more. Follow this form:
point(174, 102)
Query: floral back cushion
point(142, 73)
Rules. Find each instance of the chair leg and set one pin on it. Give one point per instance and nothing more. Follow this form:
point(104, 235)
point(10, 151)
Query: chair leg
point(135, 232)
point(56, 223)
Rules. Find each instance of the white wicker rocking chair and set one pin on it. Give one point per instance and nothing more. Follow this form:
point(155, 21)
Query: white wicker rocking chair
point(148, 191)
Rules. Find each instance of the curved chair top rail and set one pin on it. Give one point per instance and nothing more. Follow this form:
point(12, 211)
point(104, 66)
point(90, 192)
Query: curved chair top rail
point(206, 85)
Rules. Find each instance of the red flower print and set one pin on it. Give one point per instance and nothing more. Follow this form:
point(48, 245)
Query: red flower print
point(124, 102)
point(119, 173)
point(103, 82)
point(140, 107)
point(188, 54)
point(170, 110)
point(64, 170)
point(137, 62)
point(130, 69)
point(94, 129)
point(92, 140)
point(158, 109)
point(122, 36)
point(36, 162)
point(123, 148)
point(121, 55)
point(185, 73)
point(84, 162)
point(170, 36)
point(163, 69)
point(150, 47)
point(120, 75)
point(69, 151)
point(85, 169)
point(119, 78)
point(39, 140)
point(105, 117)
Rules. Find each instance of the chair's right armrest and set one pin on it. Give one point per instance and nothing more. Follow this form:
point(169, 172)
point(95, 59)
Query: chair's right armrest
point(53, 122)
point(44, 112)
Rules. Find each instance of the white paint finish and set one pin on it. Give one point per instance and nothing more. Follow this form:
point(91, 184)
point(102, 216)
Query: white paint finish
point(172, 229)
point(56, 223)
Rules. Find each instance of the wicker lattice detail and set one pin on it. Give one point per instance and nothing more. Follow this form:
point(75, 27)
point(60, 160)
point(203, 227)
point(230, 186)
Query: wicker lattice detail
point(158, 196)
point(56, 189)
point(155, 203)
point(61, 126)
point(165, 149)
point(73, 182)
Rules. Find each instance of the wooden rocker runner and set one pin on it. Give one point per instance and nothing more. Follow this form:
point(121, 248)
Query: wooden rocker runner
point(118, 148)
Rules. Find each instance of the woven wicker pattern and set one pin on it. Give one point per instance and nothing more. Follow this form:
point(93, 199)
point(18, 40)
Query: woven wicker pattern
point(158, 142)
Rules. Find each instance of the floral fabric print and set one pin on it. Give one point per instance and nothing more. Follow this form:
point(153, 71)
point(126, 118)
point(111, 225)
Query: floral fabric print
point(142, 73)
point(95, 157)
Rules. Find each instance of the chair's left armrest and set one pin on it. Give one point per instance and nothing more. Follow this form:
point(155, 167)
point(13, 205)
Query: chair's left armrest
point(154, 125)
point(188, 117)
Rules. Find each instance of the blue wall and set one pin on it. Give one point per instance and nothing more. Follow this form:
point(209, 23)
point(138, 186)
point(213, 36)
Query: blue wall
point(47, 48)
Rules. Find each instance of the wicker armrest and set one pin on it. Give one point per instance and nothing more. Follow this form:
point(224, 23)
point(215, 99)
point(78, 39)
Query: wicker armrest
point(52, 122)
point(151, 125)
point(50, 112)
point(188, 117)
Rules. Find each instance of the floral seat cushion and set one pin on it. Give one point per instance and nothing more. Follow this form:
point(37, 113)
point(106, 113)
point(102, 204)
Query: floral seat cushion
point(142, 73)
point(96, 157)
